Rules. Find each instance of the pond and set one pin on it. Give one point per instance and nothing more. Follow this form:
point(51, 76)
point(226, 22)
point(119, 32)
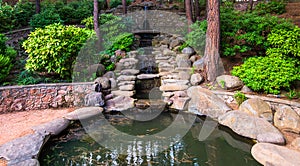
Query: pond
point(168, 139)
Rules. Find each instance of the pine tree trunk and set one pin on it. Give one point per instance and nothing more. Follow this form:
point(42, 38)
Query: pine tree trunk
point(37, 6)
point(211, 53)
point(197, 10)
point(188, 12)
point(96, 18)
point(124, 7)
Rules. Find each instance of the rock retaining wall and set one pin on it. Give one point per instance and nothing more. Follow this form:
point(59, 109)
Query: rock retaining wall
point(43, 96)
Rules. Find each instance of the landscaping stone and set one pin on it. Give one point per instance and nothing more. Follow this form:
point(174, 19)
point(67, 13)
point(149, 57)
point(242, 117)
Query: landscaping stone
point(104, 81)
point(24, 148)
point(296, 143)
point(110, 74)
point(123, 93)
point(174, 43)
point(285, 118)
point(147, 76)
point(126, 78)
point(120, 103)
point(113, 83)
point(270, 154)
point(126, 87)
point(174, 81)
point(126, 83)
point(179, 103)
point(83, 113)
point(257, 107)
point(246, 89)
point(252, 127)
point(229, 82)
point(184, 63)
point(168, 52)
point(52, 128)
point(173, 87)
point(196, 79)
point(194, 58)
point(184, 75)
point(94, 99)
point(199, 65)
point(204, 102)
point(29, 162)
point(130, 72)
point(188, 50)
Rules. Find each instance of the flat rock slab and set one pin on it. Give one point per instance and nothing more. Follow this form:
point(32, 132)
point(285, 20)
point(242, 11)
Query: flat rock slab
point(257, 107)
point(53, 128)
point(174, 81)
point(126, 87)
point(84, 113)
point(147, 76)
point(30, 162)
point(24, 148)
point(130, 72)
point(252, 127)
point(270, 154)
point(126, 78)
point(120, 103)
point(204, 102)
point(229, 82)
point(123, 93)
point(173, 87)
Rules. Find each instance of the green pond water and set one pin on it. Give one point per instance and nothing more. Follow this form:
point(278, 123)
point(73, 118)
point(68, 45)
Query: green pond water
point(168, 139)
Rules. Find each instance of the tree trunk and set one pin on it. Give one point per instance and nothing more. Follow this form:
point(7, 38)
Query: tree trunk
point(124, 6)
point(197, 10)
point(193, 10)
point(96, 18)
point(37, 6)
point(211, 54)
point(251, 5)
point(188, 12)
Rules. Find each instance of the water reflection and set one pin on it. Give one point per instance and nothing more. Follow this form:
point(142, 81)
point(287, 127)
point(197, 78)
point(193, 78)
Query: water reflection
point(80, 149)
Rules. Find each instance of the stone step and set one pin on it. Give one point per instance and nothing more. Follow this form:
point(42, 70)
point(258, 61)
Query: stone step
point(121, 83)
point(130, 72)
point(123, 93)
point(147, 76)
point(174, 81)
point(126, 78)
point(173, 87)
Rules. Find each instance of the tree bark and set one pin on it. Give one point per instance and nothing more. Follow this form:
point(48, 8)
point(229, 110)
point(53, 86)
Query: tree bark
point(197, 10)
point(251, 4)
point(124, 6)
point(37, 6)
point(96, 18)
point(211, 54)
point(188, 12)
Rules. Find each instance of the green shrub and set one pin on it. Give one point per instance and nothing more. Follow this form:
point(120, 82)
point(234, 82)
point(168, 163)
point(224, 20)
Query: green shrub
point(7, 17)
point(115, 3)
point(45, 18)
point(268, 74)
point(7, 55)
point(239, 97)
point(54, 48)
point(23, 12)
point(196, 38)
point(104, 18)
point(271, 7)
point(284, 42)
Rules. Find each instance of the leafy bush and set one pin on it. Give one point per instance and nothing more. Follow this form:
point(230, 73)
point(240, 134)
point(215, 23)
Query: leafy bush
point(268, 74)
point(196, 38)
point(54, 48)
point(6, 17)
point(271, 7)
point(45, 18)
point(23, 12)
point(104, 18)
point(7, 54)
point(284, 42)
point(115, 3)
point(239, 97)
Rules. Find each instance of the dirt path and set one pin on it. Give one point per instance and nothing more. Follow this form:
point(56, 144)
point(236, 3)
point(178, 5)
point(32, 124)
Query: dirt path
point(18, 124)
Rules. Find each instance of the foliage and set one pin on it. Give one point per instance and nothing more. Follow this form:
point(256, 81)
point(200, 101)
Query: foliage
point(45, 18)
point(7, 54)
point(268, 74)
point(181, 47)
point(104, 18)
point(284, 42)
point(244, 32)
point(115, 3)
point(6, 17)
point(196, 38)
point(23, 12)
point(54, 48)
point(239, 97)
point(272, 7)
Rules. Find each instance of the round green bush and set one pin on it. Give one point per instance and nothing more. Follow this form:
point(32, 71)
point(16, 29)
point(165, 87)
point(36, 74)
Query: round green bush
point(7, 17)
point(268, 74)
point(7, 54)
point(54, 48)
point(45, 18)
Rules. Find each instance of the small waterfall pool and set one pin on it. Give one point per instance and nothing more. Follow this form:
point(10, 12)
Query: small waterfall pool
point(75, 147)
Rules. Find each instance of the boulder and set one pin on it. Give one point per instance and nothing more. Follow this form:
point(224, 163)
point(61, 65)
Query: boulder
point(179, 103)
point(130, 72)
point(99, 69)
point(229, 82)
point(246, 89)
point(257, 107)
point(94, 99)
point(270, 154)
point(168, 52)
point(126, 78)
point(252, 127)
point(296, 143)
point(52, 128)
point(204, 102)
point(285, 118)
point(196, 79)
point(123, 93)
point(29, 162)
point(188, 50)
point(110, 74)
point(184, 75)
point(126, 87)
point(174, 43)
point(199, 65)
point(173, 87)
point(120, 103)
point(104, 81)
point(113, 83)
point(84, 113)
